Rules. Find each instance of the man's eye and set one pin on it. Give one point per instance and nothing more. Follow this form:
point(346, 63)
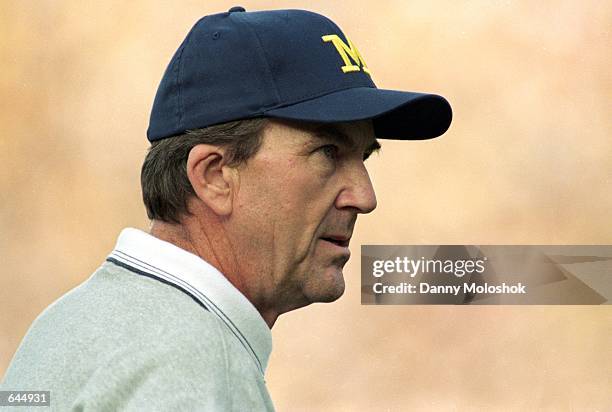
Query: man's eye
point(330, 151)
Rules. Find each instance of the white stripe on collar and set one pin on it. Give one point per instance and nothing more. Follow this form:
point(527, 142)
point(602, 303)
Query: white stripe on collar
point(146, 253)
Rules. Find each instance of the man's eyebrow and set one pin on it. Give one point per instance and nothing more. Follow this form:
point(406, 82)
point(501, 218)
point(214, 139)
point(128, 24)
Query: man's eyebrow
point(374, 147)
point(331, 130)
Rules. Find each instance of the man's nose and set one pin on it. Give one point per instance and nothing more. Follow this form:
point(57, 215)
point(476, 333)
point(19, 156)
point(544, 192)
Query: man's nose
point(358, 191)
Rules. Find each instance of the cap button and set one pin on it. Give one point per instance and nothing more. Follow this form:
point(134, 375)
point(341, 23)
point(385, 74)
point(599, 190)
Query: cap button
point(236, 9)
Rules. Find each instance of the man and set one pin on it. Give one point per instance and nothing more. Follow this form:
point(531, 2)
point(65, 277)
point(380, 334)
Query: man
point(253, 182)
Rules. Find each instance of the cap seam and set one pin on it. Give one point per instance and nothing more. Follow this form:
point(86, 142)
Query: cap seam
point(177, 81)
point(265, 59)
point(179, 85)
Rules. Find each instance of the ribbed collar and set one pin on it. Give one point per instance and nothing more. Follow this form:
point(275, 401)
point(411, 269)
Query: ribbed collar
point(167, 262)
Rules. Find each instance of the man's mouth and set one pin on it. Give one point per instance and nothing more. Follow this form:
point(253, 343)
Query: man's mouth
point(338, 246)
point(338, 240)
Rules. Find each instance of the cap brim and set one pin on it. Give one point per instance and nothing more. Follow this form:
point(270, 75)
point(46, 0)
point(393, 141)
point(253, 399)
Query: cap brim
point(395, 114)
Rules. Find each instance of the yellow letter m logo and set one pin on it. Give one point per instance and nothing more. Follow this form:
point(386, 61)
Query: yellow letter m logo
point(345, 51)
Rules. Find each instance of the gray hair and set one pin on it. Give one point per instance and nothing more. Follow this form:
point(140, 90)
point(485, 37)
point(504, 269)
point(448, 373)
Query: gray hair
point(165, 185)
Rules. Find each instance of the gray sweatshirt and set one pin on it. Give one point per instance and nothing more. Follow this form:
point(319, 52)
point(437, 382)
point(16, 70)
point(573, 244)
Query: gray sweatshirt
point(154, 328)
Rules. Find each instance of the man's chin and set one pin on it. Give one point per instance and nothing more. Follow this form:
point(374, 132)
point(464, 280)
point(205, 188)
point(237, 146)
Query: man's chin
point(328, 288)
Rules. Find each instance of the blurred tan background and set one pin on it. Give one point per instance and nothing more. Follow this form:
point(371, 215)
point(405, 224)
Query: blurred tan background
point(528, 160)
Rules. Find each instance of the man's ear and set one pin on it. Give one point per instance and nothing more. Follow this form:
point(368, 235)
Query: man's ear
point(212, 180)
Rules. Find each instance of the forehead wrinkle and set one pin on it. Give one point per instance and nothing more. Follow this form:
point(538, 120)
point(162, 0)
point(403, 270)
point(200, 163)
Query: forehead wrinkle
point(292, 136)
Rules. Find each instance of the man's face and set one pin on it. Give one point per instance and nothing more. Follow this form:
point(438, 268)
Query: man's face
point(295, 208)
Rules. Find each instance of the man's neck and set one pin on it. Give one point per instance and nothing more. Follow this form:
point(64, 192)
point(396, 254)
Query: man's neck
point(199, 244)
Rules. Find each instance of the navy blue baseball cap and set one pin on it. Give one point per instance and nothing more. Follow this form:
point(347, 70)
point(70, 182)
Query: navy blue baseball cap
point(286, 64)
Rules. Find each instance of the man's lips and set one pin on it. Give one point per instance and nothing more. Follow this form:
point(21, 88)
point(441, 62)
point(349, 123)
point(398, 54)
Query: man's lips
point(338, 245)
point(338, 240)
